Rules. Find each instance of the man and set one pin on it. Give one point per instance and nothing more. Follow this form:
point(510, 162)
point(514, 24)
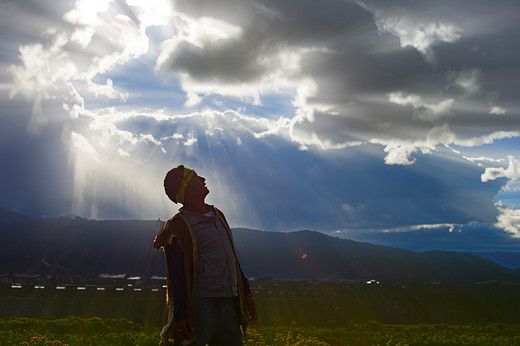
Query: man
point(208, 296)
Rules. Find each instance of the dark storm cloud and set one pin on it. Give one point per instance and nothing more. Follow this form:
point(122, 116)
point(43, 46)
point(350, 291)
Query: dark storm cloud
point(267, 28)
point(455, 53)
point(228, 62)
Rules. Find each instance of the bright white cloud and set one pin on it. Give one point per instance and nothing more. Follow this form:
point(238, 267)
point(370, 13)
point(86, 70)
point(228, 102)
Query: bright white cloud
point(152, 12)
point(43, 69)
point(192, 99)
point(83, 36)
point(83, 146)
point(481, 159)
point(107, 90)
point(450, 226)
point(486, 139)
point(512, 172)
point(305, 142)
point(399, 152)
point(49, 71)
point(273, 127)
point(416, 31)
point(508, 219)
point(423, 110)
point(497, 110)
point(86, 11)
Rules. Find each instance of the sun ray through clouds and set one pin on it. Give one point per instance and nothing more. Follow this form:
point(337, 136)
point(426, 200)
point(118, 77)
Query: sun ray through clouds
point(333, 117)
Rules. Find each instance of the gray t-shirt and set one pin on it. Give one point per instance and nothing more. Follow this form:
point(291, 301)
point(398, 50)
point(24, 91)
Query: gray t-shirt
point(217, 275)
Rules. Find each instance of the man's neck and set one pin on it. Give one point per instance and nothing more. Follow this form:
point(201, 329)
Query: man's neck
point(199, 208)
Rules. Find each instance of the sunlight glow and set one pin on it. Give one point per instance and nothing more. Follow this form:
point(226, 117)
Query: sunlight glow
point(136, 87)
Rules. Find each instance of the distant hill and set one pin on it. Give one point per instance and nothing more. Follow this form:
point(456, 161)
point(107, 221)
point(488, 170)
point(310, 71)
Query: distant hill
point(79, 246)
point(70, 246)
point(8, 216)
point(506, 259)
point(307, 254)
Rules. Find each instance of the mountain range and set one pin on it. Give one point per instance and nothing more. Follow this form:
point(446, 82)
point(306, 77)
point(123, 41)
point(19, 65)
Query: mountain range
point(77, 246)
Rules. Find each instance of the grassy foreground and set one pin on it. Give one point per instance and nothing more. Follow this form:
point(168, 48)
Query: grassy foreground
point(96, 331)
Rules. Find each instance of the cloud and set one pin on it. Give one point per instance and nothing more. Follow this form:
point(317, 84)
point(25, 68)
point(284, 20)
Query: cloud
point(82, 145)
point(83, 36)
point(399, 152)
point(472, 237)
point(213, 56)
point(497, 110)
point(451, 227)
point(512, 172)
point(508, 220)
point(192, 99)
point(42, 68)
point(347, 81)
point(307, 88)
point(424, 111)
point(469, 80)
point(51, 71)
point(417, 32)
point(481, 159)
point(352, 209)
point(107, 90)
point(86, 12)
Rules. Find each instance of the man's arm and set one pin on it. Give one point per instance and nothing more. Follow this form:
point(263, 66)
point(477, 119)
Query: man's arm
point(245, 280)
point(175, 263)
point(250, 303)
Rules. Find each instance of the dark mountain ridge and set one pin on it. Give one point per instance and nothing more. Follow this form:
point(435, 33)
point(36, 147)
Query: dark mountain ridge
point(9, 216)
point(307, 254)
point(76, 246)
point(507, 259)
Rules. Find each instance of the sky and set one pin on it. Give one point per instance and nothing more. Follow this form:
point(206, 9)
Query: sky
point(390, 121)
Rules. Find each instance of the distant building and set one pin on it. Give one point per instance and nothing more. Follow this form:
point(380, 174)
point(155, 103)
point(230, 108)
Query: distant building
point(27, 278)
point(373, 282)
point(113, 279)
point(134, 281)
point(112, 276)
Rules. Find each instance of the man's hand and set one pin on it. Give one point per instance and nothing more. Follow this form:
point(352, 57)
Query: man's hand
point(251, 307)
point(185, 329)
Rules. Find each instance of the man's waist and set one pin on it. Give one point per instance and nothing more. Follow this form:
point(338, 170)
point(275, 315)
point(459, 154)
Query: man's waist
point(217, 298)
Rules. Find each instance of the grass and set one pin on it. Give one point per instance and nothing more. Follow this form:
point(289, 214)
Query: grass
point(96, 331)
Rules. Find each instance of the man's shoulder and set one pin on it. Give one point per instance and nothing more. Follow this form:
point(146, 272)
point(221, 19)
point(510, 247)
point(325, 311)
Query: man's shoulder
point(221, 214)
point(172, 228)
point(175, 222)
point(217, 210)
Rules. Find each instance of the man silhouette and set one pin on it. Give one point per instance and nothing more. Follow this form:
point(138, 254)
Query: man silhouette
point(208, 297)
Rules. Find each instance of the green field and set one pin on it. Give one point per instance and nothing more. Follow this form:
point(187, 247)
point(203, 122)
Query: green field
point(290, 313)
point(309, 304)
point(96, 331)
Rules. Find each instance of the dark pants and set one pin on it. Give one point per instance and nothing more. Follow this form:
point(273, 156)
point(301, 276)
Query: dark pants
point(216, 322)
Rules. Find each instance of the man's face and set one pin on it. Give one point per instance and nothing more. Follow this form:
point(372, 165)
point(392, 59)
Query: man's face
point(197, 187)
